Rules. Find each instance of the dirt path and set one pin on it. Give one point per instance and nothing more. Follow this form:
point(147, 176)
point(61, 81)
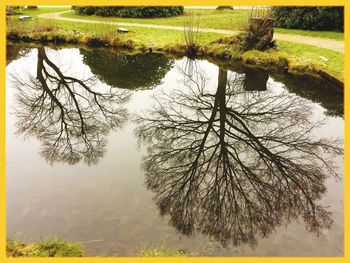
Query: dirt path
point(332, 44)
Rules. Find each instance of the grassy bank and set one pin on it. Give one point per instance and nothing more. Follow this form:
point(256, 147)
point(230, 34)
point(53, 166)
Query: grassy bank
point(45, 248)
point(287, 56)
point(59, 248)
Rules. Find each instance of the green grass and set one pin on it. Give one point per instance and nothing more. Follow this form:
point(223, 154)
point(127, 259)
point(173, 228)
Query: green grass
point(161, 251)
point(321, 34)
point(149, 37)
point(225, 19)
point(210, 18)
point(304, 55)
point(60, 248)
point(300, 57)
point(45, 248)
point(43, 10)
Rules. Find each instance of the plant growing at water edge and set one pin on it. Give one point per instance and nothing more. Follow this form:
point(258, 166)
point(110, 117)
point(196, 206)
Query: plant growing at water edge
point(191, 32)
point(45, 248)
point(161, 251)
point(257, 30)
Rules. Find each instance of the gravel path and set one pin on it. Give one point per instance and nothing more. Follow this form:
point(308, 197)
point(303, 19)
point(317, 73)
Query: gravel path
point(332, 44)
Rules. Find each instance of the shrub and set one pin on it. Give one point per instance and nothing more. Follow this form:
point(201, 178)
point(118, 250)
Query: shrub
point(150, 11)
point(257, 30)
point(191, 33)
point(309, 18)
point(13, 10)
point(222, 7)
point(128, 11)
point(85, 10)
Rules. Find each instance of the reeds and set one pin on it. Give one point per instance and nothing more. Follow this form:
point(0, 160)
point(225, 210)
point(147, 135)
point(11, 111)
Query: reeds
point(191, 31)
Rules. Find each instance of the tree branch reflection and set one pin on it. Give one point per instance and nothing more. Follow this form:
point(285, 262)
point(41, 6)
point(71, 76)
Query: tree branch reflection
point(70, 116)
point(234, 164)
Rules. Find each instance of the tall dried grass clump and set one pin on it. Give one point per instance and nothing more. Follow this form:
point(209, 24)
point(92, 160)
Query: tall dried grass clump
point(191, 32)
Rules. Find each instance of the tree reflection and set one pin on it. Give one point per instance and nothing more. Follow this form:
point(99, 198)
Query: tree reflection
point(234, 164)
point(15, 51)
point(70, 116)
point(330, 96)
point(138, 71)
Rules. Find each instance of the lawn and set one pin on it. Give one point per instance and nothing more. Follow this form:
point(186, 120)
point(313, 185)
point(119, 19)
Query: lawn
point(209, 18)
point(305, 54)
point(43, 10)
point(152, 37)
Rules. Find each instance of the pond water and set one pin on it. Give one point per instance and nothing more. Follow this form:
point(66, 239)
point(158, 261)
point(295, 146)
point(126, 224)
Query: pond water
point(120, 152)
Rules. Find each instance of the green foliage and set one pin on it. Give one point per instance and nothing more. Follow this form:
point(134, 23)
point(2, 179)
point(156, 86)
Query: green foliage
point(129, 11)
point(14, 10)
point(309, 18)
point(140, 71)
point(223, 7)
point(150, 11)
point(85, 10)
point(45, 248)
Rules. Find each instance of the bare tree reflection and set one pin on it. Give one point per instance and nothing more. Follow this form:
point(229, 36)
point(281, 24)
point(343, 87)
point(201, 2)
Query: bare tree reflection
point(68, 115)
point(234, 166)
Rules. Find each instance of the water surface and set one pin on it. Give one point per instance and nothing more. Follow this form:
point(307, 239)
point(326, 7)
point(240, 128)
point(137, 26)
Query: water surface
point(125, 151)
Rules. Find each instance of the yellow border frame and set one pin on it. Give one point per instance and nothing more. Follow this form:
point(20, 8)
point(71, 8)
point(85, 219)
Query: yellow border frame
point(344, 3)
